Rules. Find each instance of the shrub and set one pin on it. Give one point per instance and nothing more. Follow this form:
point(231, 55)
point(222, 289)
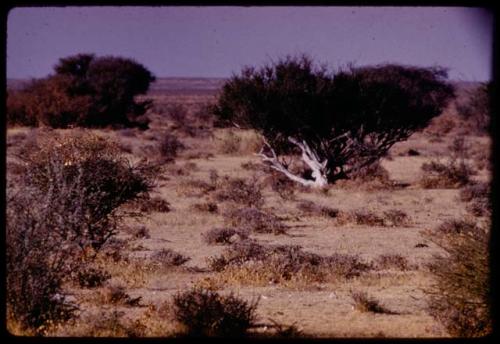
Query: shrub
point(284, 262)
point(478, 196)
point(280, 184)
point(206, 313)
point(157, 204)
point(94, 181)
point(476, 107)
point(366, 217)
point(209, 207)
point(241, 191)
point(255, 220)
point(460, 297)
point(115, 294)
point(169, 147)
point(223, 235)
point(455, 173)
point(392, 261)
point(167, 257)
point(85, 91)
point(38, 261)
point(312, 208)
point(364, 303)
point(230, 143)
point(291, 102)
point(91, 278)
point(395, 217)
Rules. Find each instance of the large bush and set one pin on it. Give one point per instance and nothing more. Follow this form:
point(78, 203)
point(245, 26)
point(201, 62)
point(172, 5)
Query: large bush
point(85, 91)
point(475, 106)
point(340, 122)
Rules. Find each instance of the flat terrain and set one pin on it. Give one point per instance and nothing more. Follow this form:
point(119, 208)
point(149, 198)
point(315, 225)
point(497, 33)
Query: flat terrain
point(318, 308)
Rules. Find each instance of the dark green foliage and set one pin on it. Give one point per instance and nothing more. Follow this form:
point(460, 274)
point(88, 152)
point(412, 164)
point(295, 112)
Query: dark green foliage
point(85, 91)
point(350, 118)
point(206, 313)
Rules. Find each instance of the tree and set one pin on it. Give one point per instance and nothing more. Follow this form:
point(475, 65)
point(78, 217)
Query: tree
point(86, 91)
point(339, 123)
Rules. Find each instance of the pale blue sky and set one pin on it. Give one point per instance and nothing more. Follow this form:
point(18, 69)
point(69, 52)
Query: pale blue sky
point(217, 41)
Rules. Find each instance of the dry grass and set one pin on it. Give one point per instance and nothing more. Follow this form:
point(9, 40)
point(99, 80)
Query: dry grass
point(364, 303)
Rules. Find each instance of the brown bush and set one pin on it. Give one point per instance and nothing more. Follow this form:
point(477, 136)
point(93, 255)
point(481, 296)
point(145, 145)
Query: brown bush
point(395, 217)
point(311, 208)
point(206, 313)
point(460, 298)
point(89, 277)
point(478, 196)
point(364, 303)
point(282, 185)
point(223, 235)
point(230, 143)
point(392, 261)
point(167, 257)
point(255, 220)
point(156, 204)
point(209, 207)
point(241, 191)
point(169, 146)
point(116, 295)
point(284, 262)
point(94, 179)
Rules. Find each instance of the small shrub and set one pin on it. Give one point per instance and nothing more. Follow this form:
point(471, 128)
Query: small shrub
point(230, 143)
point(92, 278)
point(392, 261)
point(364, 303)
point(395, 217)
point(223, 235)
point(168, 257)
point(366, 217)
point(206, 313)
point(139, 231)
point(169, 147)
point(312, 208)
point(282, 185)
point(478, 196)
point(255, 220)
point(116, 295)
point(209, 207)
point(460, 297)
point(156, 204)
point(241, 191)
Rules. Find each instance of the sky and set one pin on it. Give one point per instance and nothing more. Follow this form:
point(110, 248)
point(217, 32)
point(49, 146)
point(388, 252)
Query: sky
point(219, 41)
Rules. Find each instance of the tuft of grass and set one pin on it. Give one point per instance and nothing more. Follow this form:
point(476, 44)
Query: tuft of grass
point(392, 261)
point(478, 197)
point(241, 191)
point(311, 208)
point(167, 257)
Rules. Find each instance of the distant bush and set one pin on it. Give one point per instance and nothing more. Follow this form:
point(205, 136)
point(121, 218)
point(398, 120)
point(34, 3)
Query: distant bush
point(478, 196)
point(206, 313)
point(85, 91)
point(167, 257)
point(169, 147)
point(475, 107)
point(255, 220)
point(223, 235)
point(238, 190)
point(311, 208)
point(460, 297)
point(455, 173)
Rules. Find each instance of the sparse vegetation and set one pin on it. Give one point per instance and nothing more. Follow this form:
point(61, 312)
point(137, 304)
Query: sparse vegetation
point(206, 313)
point(223, 235)
point(255, 220)
point(460, 298)
point(364, 303)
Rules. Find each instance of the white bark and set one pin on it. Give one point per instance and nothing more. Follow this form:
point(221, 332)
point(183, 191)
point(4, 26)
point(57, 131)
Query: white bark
point(309, 157)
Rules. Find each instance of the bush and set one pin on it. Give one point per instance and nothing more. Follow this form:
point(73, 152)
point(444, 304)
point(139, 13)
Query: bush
point(91, 278)
point(312, 208)
point(255, 220)
point(157, 204)
point(94, 181)
point(169, 146)
point(206, 313)
point(38, 261)
point(475, 107)
point(167, 257)
point(392, 261)
point(291, 103)
point(460, 297)
point(364, 303)
point(85, 91)
point(223, 235)
point(240, 191)
point(478, 196)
